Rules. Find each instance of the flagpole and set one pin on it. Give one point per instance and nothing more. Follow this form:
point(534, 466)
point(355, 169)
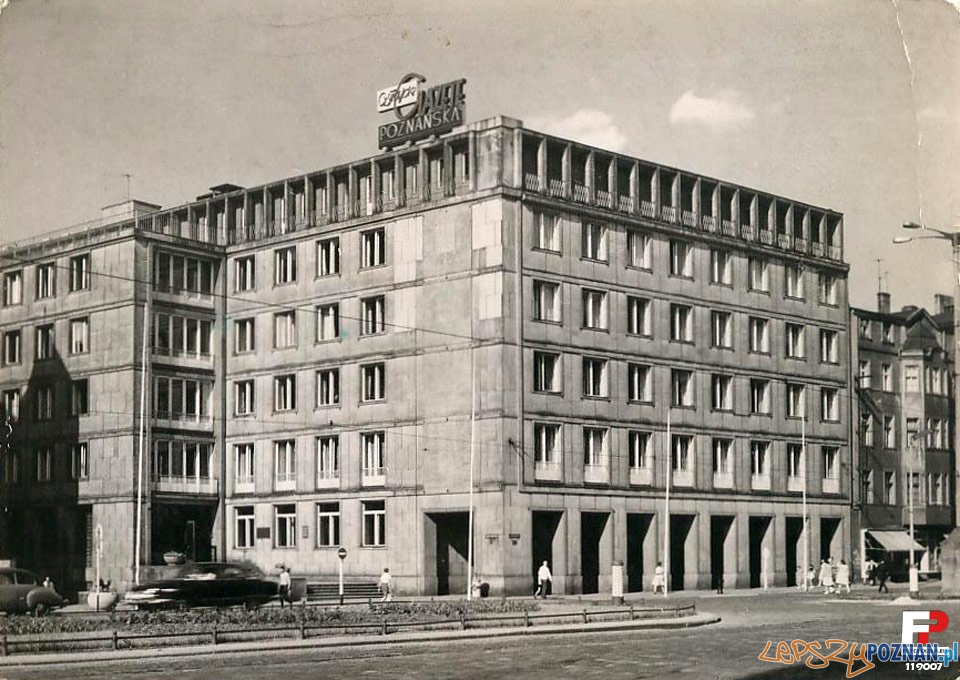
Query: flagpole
point(473, 428)
point(666, 511)
point(806, 529)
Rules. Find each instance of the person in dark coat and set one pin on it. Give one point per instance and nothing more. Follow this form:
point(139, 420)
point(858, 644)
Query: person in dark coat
point(882, 573)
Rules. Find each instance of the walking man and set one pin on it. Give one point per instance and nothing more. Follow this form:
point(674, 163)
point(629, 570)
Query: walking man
point(659, 580)
point(544, 579)
point(882, 574)
point(284, 590)
point(386, 586)
point(843, 576)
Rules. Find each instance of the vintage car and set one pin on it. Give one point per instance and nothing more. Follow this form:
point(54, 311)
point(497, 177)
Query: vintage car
point(216, 584)
point(21, 592)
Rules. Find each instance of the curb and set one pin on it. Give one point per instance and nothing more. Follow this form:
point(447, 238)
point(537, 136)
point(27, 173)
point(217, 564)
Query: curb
point(339, 642)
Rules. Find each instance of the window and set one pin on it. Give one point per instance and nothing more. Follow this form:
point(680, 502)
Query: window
point(867, 430)
point(245, 528)
point(285, 526)
point(796, 401)
point(595, 309)
point(829, 404)
point(328, 459)
point(758, 275)
point(827, 288)
point(243, 397)
point(548, 231)
point(374, 523)
point(373, 248)
point(681, 323)
point(11, 405)
point(886, 377)
point(284, 266)
point(546, 301)
point(45, 341)
point(889, 433)
point(681, 387)
point(79, 272)
point(546, 372)
point(328, 387)
point(11, 468)
point(328, 256)
point(372, 319)
point(372, 447)
point(639, 316)
point(759, 335)
point(328, 525)
point(795, 344)
point(244, 471)
point(793, 281)
point(285, 393)
point(284, 329)
point(546, 444)
point(244, 335)
point(638, 250)
point(721, 267)
point(373, 379)
point(244, 273)
point(681, 260)
point(594, 242)
point(888, 332)
point(828, 347)
point(866, 487)
point(80, 461)
point(759, 396)
point(890, 487)
point(180, 398)
point(43, 404)
point(640, 383)
point(722, 455)
point(595, 447)
point(44, 464)
point(328, 322)
point(681, 453)
point(831, 462)
point(863, 374)
point(79, 397)
point(638, 446)
point(45, 281)
point(13, 288)
point(11, 347)
point(721, 329)
point(795, 467)
point(866, 329)
point(911, 379)
point(721, 391)
point(284, 464)
point(595, 382)
point(760, 459)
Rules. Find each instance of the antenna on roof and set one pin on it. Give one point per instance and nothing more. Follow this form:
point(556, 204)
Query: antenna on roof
point(879, 275)
point(128, 176)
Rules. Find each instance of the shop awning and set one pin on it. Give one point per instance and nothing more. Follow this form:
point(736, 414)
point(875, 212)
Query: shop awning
point(895, 541)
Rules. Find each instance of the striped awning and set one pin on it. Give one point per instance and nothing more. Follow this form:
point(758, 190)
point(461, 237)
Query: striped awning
point(895, 541)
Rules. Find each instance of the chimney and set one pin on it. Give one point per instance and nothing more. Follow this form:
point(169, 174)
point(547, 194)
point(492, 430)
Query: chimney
point(883, 303)
point(943, 303)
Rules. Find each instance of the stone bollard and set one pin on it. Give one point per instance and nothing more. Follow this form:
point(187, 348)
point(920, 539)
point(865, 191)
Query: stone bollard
point(616, 582)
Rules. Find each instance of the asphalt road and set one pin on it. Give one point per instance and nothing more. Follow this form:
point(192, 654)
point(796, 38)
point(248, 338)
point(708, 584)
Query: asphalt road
point(728, 650)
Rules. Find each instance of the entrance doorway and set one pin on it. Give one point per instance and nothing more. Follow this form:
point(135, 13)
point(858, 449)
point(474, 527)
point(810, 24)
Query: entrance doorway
point(794, 548)
point(592, 525)
point(680, 526)
point(452, 532)
point(828, 538)
point(184, 528)
point(759, 552)
point(545, 526)
point(637, 528)
point(719, 531)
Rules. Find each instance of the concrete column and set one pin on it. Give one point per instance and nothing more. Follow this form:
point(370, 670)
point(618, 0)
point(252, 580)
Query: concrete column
point(652, 547)
point(246, 215)
point(566, 172)
point(692, 576)
point(613, 182)
point(448, 178)
point(285, 218)
point(352, 192)
point(655, 191)
point(331, 195)
point(768, 554)
point(635, 188)
point(574, 582)
point(606, 550)
point(541, 165)
point(702, 526)
point(517, 161)
point(561, 557)
point(731, 554)
point(735, 208)
point(779, 563)
point(589, 178)
point(267, 208)
point(309, 199)
point(742, 524)
point(399, 179)
point(422, 179)
point(375, 189)
point(472, 159)
point(715, 204)
point(695, 199)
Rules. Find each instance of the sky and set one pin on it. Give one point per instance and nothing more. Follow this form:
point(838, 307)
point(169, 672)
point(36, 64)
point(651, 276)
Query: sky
point(851, 105)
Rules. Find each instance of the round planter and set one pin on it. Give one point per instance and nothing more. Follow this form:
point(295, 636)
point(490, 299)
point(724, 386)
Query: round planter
point(102, 601)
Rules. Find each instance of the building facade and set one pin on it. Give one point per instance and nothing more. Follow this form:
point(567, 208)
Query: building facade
point(903, 380)
point(327, 354)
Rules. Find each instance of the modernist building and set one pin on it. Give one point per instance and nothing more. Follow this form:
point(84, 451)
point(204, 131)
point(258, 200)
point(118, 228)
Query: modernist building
point(902, 363)
point(309, 350)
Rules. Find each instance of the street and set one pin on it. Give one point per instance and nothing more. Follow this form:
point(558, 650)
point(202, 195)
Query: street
point(727, 650)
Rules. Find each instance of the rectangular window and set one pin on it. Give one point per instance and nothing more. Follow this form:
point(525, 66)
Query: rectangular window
point(639, 316)
point(863, 374)
point(889, 433)
point(758, 275)
point(681, 449)
point(595, 382)
point(759, 458)
point(328, 525)
point(284, 464)
point(867, 422)
point(80, 272)
point(722, 456)
point(867, 493)
point(721, 329)
point(46, 278)
point(828, 347)
point(284, 265)
point(795, 341)
point(243, 397)
point(11, 405)
point(546, 301)
point(285, 329)
point(831, 462)
point(244, 335)
point(594, 242)
point(285, 526)
point(373, 380)
point(759, 396)
point(11, 468)
point(328, 459)
point(245, 527)
point(13, 288)
point(373, 248)
point(638, 447)
point(372, 448)
point(796, 400)
point(681, 383)
point(44, 341)
point(44, 464)
point(328, 256)
point(328, 322)
point(244, 273)
point(827, 288)
point(43, 404)
point(547, 231)
point(911, 379)
point(759, 335)
point(595, 447)
point(372, 315)
point(888, 332)
point(79, 397)
point(595, 309)
point(285, 393)
point(11, 348)
point(546, 372)
point(681, 259)
point(546, 444)
point(721, 391)
point(829, 404)
point(80, 461)
point(721, 267)
point(681, 323)
point(244, 471)
point(886, 377)
point(866, 329)
point(374, 523)
point(890, 487)
point(638, 250)
point(328, 387)
point(793, 281)
point(640, 383)
point(795, 467)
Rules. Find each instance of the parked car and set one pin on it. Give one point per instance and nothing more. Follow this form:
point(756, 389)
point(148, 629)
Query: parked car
point(21, 592)
point(206, 584)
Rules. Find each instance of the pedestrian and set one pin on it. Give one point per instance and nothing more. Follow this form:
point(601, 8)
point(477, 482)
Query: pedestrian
point(843, 576)
point(284, 590)
point(826, 577)
point(544, 580)
point(720, 583)
point(386, 585)
point(48, 583)
point(871, 572)
point(800, 576)
point(881, 576)
point(659, 579)
point(811, 576)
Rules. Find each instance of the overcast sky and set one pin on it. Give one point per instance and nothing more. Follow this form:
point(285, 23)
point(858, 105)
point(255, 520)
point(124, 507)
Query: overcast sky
point(813, 100)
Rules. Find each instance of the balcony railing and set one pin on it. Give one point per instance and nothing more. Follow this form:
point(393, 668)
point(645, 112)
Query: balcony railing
point(747, 232)
point(625, 203)
point(833, 252)
point(689, 218)
point(668, 213)
point(729, 228)
point(183, 418)
point(766, 236)
point(547, 471)
point(800, 245)
point(196, 486)
point(648, 209)
point(181, 353)
point(816, 249)
point(604, 199)
point(831, 485)
point(555, 187)
point(722, 480)
point(709, 223)
point(783, 240)
point(641, 476)
point(531, 182)
point(760, 482)
point(580, 193)
point(596, 473)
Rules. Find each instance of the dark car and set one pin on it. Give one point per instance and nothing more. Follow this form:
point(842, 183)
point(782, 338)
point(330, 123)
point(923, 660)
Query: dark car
point(206, 584)
point(21, 592)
